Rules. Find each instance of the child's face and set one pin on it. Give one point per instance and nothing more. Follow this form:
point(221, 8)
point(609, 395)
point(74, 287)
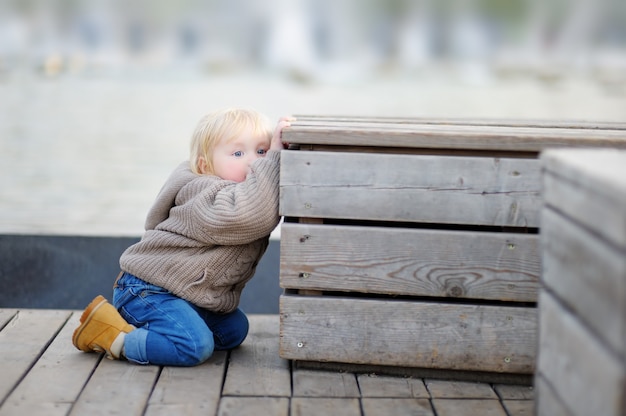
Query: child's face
point(232, 159)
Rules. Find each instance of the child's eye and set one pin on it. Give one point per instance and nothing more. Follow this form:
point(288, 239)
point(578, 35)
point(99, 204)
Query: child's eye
point(261, 151)
point(238, 153)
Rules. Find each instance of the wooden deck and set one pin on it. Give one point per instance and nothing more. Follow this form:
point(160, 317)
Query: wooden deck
point(43, 374)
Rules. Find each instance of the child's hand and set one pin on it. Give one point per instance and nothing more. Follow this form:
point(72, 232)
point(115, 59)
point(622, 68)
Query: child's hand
point(277, 141)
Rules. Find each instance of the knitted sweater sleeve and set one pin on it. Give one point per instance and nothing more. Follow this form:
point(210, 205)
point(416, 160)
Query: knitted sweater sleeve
point(236, 213)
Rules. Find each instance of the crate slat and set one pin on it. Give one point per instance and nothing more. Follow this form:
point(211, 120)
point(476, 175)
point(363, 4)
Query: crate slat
point(412, 334)
point(587, 275)
point(485, 136)
point(413, 262)
point(309, 119)
point(589, 187)
point(575, 365)
point(430, 189)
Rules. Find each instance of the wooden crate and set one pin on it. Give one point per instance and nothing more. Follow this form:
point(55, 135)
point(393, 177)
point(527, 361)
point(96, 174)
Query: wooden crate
point(415, 243)
point(581, 366)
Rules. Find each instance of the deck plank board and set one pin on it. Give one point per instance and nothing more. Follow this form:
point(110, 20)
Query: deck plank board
point(189, 390)
point(56, 379)
point(22, 340)
point(117, 387)
point(314, 406)
point(43, 374)
point(455, 407)
point(373, 385)
point(256, 361)
point(6, 315)
point(311, 383)
point(397, 407)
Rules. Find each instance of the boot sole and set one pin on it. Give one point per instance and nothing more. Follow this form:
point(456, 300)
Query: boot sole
point(86, 317)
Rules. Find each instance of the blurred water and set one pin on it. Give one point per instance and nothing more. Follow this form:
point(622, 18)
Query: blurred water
point(98, 98)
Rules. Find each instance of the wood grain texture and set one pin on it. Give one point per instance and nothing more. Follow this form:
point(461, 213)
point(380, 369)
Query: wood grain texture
point(417, 262)
point(413, 188)
point(373, 385)
point(483, 135)
point(311, 383)
point(586, 377)
point(22, 340)
point(315, 406)
point(117, 387)
point(320, 119)
point(56, 379)
point(256, 361)
point(254, 406)
point(455, 407)
point(397, 407)
point(446, 389)
point(589, 186)
point(413, 334)
point(588, 276)
point(189, 390)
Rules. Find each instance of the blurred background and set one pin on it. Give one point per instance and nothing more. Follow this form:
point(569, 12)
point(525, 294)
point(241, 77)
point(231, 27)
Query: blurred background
point(317, 40)
point(98, 98)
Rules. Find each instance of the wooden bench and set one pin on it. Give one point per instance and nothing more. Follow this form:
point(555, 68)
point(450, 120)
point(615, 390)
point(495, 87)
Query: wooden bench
point(581, 366)
point(411, 243)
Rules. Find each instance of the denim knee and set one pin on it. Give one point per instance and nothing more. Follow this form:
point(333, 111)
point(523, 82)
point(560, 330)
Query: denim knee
point(231, 331)
point(197, 349)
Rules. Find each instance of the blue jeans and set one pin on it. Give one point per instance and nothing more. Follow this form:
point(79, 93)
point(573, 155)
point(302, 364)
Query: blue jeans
point(170, 330)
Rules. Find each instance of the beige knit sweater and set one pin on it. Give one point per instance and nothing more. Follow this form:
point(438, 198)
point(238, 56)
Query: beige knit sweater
point(205, 235)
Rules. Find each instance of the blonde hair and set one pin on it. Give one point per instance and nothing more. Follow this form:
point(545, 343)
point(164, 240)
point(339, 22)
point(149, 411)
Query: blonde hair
point(220, 125)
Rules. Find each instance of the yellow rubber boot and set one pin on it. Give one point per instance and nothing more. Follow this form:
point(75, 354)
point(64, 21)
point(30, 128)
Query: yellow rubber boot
point(100, 325)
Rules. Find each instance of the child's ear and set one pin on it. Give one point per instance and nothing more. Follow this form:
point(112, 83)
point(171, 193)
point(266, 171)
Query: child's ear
point(202, 166)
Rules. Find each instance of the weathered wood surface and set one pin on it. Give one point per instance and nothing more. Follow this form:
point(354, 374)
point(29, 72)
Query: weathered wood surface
point(588, 276)
point(574, 363)
point(415, 262)
point(585, 238)
point(582, 341)
point(590, 188)
point(43, 374)
point(408, 333)
point(316, 119)
point(411, 188)
point(511, 135)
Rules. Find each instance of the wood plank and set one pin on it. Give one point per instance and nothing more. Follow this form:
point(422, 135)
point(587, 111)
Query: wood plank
point(320, 119)
point(589, 186)
point(519, 407)
point(56, 379)
point(404, 333)
point(189, 390)
point(588, 275)
point(571, 360)
point(430, 189)
point(5, 316)
point(449, 136)
point(397, 407)
point(254, 406)
point(514, 392)
point(22, 340)
point(315, 406)
point(455, 407)
point(313, 383)
point(256, 361)
point(418, 262)
point(546, 401)
point(117, 387)
point(418, 372)
point(372, 385)
point(446, 389)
